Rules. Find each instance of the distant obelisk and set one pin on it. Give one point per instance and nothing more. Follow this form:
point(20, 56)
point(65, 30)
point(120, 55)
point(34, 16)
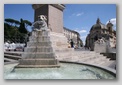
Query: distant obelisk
point(54, 13)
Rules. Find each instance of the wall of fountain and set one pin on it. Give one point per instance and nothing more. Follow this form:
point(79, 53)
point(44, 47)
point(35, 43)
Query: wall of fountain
point(39, 52)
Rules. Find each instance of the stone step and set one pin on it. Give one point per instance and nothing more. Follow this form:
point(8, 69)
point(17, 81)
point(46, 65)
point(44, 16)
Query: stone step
point(90, 52)
point(13, 53)
point(88, 55)
point(96, 63)
point(38, 36)
point(38, 62)
point(87, 58)
point(38, 66)
point(39, 57)
point(38, 54)
point(9, 60)
point(84, 53)
point(78, 55)
point(102, 62)
point(40, 39)
point(107, 63)
point(63, 49)
point(84, 56)
point(38, 44)
point(97, 60)
point(81, 54)
point(38, 49)
point(12, 56)
point(40, 33)
point(13, 62)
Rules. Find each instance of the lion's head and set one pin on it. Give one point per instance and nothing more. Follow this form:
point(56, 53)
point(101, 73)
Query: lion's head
point(42, 17)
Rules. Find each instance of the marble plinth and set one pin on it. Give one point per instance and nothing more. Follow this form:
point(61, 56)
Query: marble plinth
point(39, 51)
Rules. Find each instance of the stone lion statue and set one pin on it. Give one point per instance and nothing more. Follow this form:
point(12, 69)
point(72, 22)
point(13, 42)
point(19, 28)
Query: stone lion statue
point(41, 23)
point(101, 41)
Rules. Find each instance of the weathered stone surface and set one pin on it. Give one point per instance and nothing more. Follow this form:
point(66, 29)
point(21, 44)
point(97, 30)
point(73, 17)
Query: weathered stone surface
point(40, 24)
point(54, 13)
point(38, 62)
point(39, 51)
point(101, 46)
point(59, 42)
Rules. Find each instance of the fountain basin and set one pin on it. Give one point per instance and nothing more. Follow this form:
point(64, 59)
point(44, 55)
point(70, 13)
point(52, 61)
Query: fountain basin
point(66, 71)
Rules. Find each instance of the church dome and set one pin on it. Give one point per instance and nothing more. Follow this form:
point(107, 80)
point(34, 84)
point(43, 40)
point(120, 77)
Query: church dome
point(98, 25)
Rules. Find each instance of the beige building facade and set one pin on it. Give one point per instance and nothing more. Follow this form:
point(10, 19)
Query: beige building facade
point(74, 36)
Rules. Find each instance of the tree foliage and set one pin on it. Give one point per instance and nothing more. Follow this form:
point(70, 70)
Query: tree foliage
point(27, 23)
point(22, 28)
point(16, 31)
point(12, 21)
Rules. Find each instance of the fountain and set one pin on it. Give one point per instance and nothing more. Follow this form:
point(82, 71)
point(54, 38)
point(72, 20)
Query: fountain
point(66, 71)
point(39, 52)
point(39, 57)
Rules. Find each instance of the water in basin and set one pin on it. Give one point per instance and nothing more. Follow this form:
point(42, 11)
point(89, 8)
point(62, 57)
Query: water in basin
point(66, 71)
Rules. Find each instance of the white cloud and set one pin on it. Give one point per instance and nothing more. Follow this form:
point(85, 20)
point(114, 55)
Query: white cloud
point(113, 21)
point(77, 14)
point(80, 31)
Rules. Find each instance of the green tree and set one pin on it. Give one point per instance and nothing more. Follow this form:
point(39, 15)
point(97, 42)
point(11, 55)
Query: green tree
point(15, 30)
point(12, 22)
point(22, 28)
point(27, 23)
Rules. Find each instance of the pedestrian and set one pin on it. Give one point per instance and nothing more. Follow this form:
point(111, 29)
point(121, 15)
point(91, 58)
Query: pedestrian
point(71, 43)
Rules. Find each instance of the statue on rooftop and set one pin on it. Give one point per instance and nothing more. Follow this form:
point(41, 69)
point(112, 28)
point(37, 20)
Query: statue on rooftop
point(101, 41)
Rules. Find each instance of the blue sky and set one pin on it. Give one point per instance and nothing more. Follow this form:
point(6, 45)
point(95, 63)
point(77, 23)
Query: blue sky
point(78, 17)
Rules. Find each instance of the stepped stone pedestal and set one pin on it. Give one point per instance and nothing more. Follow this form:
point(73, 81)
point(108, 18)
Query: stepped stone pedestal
point(59, 42)
point(39, 51)
point(101, 46)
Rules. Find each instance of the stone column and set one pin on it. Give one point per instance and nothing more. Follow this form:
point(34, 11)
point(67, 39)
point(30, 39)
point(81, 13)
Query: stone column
point(54, 13)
